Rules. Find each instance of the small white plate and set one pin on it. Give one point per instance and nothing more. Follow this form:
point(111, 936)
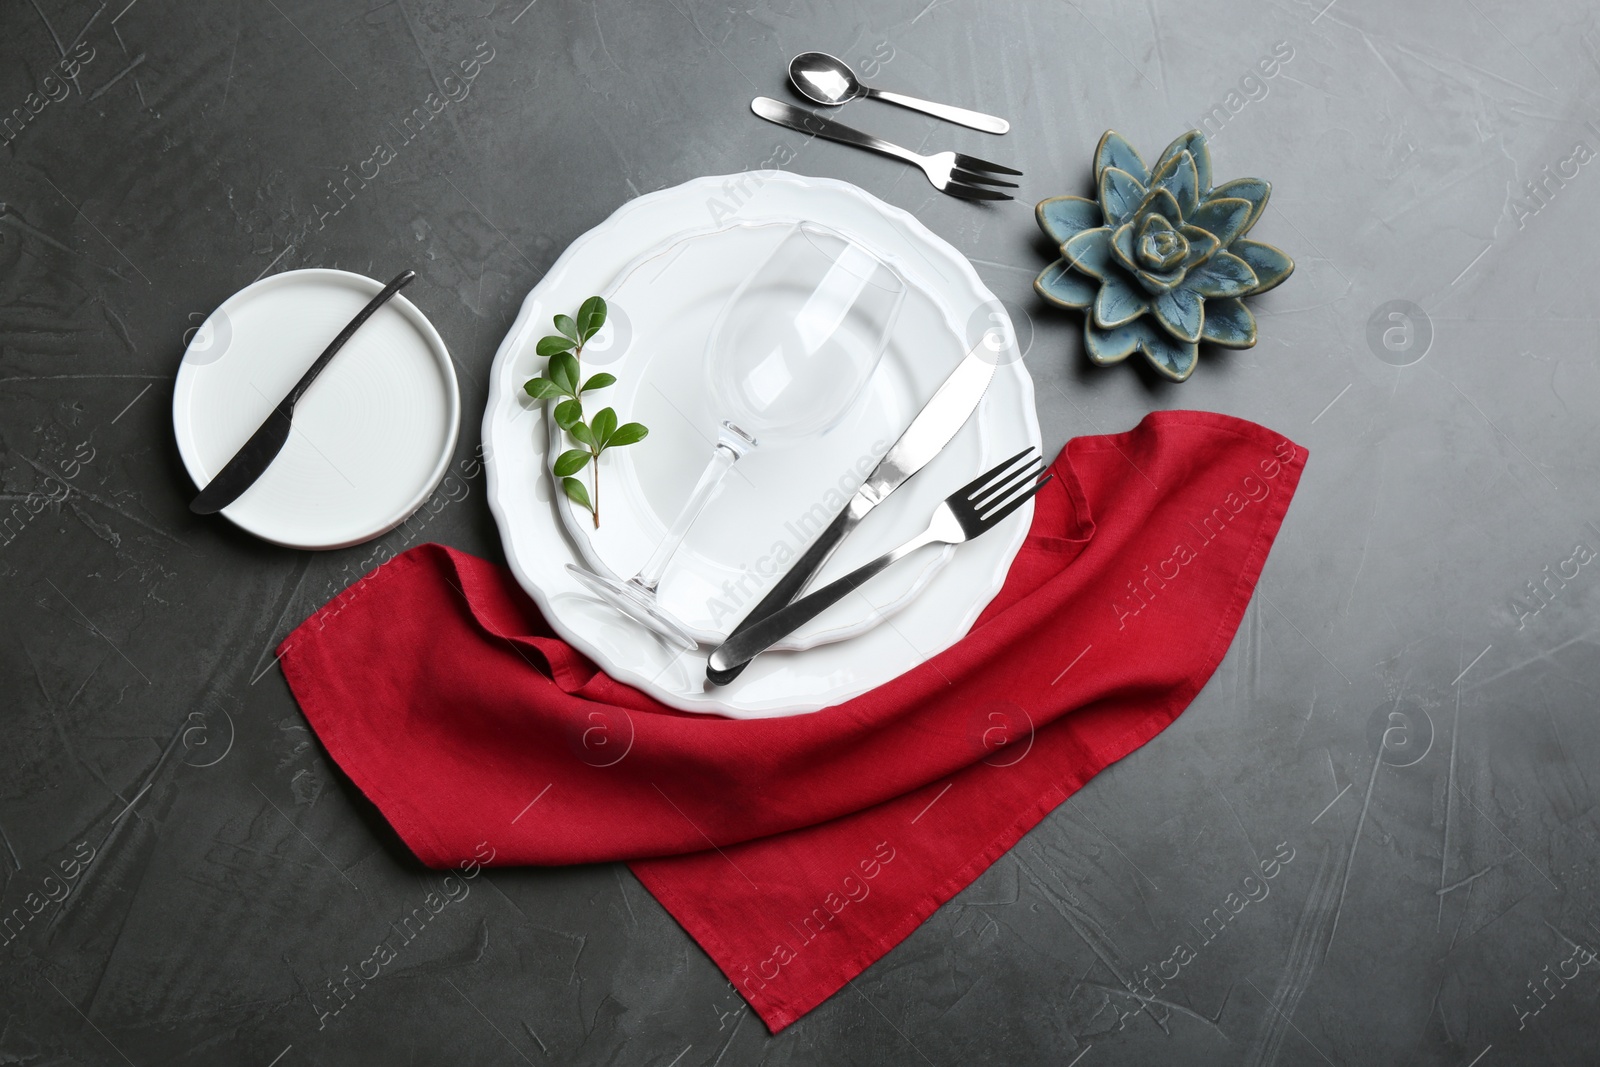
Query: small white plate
point(371, 437)
point(527, 504)
point(778, 498)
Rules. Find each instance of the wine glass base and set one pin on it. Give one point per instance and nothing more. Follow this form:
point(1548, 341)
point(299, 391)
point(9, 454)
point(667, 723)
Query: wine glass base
point(638, 604)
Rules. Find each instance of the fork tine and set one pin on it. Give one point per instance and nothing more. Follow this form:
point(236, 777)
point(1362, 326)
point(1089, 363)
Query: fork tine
point(974, 163)
point(978, 484)
point(993, 518)
point(973, 177)
point(973, 192)
point(998, 491)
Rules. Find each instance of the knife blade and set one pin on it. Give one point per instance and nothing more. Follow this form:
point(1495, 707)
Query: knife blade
point(938, 421)
point(257, 454)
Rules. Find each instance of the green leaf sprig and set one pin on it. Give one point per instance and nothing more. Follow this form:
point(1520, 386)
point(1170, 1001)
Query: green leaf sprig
point(560, 382)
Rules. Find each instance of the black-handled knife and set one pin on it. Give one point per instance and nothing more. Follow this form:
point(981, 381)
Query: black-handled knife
point(925, 438)
point(257, 454)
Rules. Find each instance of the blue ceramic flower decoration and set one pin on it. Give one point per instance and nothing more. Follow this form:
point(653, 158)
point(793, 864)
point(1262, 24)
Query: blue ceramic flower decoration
point(1160, 262)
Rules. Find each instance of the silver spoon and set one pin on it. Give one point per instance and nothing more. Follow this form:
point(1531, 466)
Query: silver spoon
point(828, 80)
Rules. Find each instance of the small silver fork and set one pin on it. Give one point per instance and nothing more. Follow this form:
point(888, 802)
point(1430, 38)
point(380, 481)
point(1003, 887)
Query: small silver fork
point(950, 172)
point(974, 509)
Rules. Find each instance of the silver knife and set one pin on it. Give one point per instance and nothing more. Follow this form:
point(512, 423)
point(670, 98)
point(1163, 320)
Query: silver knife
point(937, 422)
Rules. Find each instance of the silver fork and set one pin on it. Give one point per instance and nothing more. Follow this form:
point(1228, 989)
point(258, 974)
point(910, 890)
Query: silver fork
point(950, 172)
point(974, 509)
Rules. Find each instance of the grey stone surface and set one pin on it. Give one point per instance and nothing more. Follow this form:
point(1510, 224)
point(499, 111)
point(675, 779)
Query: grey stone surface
point(1437, 886)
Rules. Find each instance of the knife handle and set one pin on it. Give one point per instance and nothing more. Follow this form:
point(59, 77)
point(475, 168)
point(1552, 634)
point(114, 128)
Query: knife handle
point(401, 280)
point(794, 580)
point(749, 643)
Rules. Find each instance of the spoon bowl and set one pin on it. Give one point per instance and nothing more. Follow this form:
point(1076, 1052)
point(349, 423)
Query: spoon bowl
point(825, 79)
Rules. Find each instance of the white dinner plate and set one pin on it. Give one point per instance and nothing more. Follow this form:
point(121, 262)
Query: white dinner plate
point(666, 303)
point(372, 436)
point(653, 477)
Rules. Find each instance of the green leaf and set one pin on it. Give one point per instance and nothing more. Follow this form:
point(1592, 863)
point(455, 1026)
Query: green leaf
point(576, 492)
point(591, 316)
point(627, 434)
point(569, 413)
point(603, 425)
point(599, 381)
point(568, 328)
point(582, 434)
point(541, 388)
point(549, 346)
point(563, 370)
point(571, 461)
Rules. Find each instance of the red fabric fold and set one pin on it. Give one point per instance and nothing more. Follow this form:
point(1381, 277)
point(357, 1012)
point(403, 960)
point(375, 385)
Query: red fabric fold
point(797, 851)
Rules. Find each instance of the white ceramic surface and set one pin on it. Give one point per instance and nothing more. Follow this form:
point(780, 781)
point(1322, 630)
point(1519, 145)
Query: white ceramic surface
point(782, 496)
point(527, 504)
point(371, 437)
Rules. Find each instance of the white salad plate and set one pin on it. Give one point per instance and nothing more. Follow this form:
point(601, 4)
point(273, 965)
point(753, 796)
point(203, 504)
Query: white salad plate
point(372, 436)
point(782, 497)
point(665, 263)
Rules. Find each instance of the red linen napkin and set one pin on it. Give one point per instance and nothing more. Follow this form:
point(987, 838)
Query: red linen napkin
point(797, 851)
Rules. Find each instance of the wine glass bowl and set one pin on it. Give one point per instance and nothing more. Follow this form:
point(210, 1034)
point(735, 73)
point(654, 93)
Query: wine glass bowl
point(795, 345)
point(788, 356)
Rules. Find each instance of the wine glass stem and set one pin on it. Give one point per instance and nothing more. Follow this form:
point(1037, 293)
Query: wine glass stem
point(730, 447)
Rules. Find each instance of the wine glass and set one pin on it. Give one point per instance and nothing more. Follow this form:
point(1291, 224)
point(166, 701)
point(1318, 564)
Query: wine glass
point(787, 357)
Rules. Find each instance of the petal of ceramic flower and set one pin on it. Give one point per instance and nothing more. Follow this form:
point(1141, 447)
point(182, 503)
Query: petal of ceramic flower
point(1062, 216)
point(1120, 195)
point(1106, 347)
point(1202, 246)
point(1089, 251)
point(1194, 143)
point(1269, 263)
point(1179, 177)
point(1224, 217)
point(1229, 323)
point(1115, 151)
point(1173, 358)
point(1224, 274)
point(1156, 282)
point(1065, 287)
point(1153, 221)
point(1160, 202)
point(1181, 312)
point(1254, 190)
point(1120, 301)
point(1122, 246)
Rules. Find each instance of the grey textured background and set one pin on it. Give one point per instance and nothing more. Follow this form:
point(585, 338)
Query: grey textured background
point(1438, 885)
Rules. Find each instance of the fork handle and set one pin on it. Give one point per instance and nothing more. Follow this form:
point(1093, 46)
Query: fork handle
point(810, 122)
point(742, 647)
point(976, 120)
point(794, 580)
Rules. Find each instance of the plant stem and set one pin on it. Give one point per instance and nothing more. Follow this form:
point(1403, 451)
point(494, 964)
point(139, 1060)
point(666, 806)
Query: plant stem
point(594, 475)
